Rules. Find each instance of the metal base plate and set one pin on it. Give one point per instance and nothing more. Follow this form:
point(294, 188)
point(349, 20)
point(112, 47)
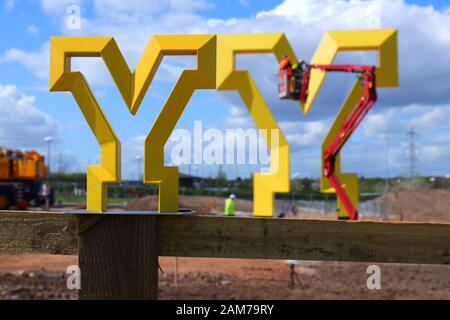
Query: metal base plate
point(183, 211)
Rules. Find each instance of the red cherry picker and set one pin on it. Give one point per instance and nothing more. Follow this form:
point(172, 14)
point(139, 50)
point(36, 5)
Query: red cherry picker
point(293, 85)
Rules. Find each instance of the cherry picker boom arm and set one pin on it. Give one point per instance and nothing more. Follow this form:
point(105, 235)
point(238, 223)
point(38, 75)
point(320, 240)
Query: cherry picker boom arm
point(369, 97)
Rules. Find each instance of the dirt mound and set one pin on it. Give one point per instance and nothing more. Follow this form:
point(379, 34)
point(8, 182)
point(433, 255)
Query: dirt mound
point(316, 280)
point(40, 285)
point(418, 205)
point(201, 204)
point(230, 279)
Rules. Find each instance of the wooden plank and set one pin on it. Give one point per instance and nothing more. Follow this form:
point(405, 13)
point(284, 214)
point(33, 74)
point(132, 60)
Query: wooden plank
point(234, 237)
point(38, 232)
point(271, 238)
point(119, 258)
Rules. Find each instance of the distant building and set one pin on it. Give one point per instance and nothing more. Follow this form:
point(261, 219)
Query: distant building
point(189, 182)
point(185, 180)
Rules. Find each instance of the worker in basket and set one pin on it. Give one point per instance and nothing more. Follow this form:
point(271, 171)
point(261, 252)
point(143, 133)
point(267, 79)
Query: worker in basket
point(290, 76)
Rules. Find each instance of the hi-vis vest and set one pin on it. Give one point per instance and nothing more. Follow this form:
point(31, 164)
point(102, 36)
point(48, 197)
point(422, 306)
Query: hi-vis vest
point(229, 207)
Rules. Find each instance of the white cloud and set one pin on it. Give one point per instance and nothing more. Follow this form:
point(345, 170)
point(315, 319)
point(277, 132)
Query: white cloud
point(65, 161)
point(59, 7)
point(114, 8)
point(131, 148)
point(238, 117)
point(10, 4)
point(118, 8)
point(377, 125)
point(397, 121)
point(430, 117)
point(307, 133)
point(299, 134)
point(389, 129)
point(245, 2)
point(381, 144)
point(38, 63)
point(35, 61)
point(22, 123)
point(32, 29)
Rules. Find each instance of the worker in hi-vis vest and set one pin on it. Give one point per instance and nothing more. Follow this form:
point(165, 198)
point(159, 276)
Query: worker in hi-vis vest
point(229, 205)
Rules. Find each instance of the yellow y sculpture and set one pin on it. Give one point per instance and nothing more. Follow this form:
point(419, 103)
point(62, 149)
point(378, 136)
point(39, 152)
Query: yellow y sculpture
point(210, 74)
point(382, 41)
point(63, 79)
point(215, 70)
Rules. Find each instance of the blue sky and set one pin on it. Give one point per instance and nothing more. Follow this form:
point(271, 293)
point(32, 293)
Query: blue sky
point(438, 4)
point(29, 112)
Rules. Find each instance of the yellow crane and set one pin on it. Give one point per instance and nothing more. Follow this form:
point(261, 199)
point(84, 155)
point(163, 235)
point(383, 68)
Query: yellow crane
point(21, 178)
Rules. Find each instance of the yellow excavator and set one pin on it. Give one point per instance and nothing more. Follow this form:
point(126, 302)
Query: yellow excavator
point(22, 179)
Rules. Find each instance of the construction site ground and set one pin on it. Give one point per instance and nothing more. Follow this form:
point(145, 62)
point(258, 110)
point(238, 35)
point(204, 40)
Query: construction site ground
point(44, 277)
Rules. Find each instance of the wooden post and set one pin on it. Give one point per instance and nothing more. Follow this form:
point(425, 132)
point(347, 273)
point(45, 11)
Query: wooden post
point(175, 279)
point(118, 256)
